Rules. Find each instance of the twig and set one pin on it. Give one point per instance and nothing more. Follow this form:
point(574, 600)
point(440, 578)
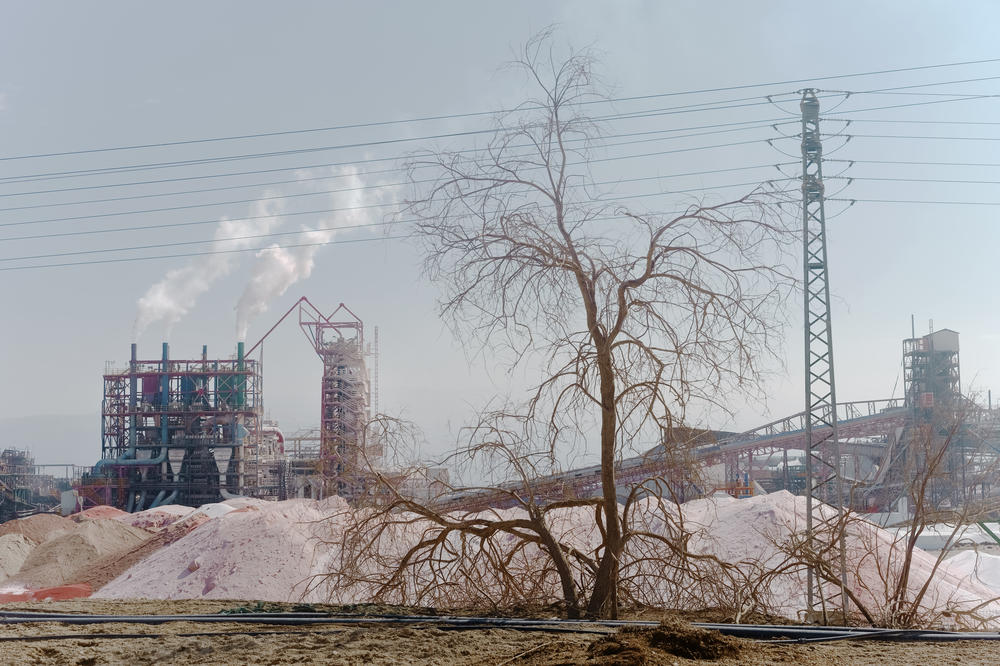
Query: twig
point(525, 653)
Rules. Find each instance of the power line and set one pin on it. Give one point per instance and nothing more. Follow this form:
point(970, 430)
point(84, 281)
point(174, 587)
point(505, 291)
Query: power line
point(912, 201)
point(333, 164)
point(453, 116)
point(297, 245)
point(198, 254)
point(897, 90)
point(90, 232)
point(916, 136)
point(926, 122)
point(229, 239)
point(626, 116)
point(693, 107)
point(189, 206)
point(918, 163)
point(928, 180)
point(230, 158)
point(763, 124)
point(913, 104)
point(214, 160)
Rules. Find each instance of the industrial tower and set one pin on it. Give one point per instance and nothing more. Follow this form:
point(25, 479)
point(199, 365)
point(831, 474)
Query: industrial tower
point(931, 370)
point(345, 399)
point(823, 477)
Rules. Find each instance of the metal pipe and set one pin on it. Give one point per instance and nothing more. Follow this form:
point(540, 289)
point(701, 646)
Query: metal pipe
point(164, 394)
point(132, 379)
point(132, 462)
point(241, 380)
point(156, 500)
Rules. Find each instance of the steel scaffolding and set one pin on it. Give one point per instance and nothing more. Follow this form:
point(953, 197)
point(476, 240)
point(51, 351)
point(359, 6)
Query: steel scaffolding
point(176, 431)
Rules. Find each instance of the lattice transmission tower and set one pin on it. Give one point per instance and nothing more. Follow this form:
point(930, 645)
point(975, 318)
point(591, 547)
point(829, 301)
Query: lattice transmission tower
point(823, 477)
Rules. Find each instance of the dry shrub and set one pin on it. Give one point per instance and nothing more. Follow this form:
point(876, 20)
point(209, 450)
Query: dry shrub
point(634, 645)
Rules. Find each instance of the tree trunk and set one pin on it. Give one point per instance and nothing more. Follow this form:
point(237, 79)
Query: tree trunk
point(604, 600)
point(562, 567)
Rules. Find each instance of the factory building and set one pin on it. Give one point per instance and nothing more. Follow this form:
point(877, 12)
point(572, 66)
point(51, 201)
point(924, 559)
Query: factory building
point(176, 431)
point(931, 370)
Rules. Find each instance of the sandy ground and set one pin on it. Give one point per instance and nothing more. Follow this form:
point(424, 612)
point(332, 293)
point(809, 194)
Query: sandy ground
point(230, 643)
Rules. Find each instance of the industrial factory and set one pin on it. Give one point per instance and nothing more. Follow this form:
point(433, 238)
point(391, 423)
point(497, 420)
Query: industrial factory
point(883, 445)
point(190, 431)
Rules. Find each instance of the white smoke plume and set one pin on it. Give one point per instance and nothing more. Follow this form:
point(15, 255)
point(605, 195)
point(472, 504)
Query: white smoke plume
point(170, 299)
point(276, 268)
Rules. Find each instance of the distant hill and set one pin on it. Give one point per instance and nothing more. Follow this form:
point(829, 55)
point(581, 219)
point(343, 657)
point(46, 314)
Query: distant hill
point(54, 438)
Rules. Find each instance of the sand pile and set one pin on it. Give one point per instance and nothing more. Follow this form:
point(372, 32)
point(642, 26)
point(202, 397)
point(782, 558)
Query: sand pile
point(108, 568)
point(38, 527)
point(981, 568)
point(754, 532)
point(100, 512)
point(254, 550)
point(210, 511)
point(265, 551)
point(155, 519)
point(14, 550)
point(66, 556)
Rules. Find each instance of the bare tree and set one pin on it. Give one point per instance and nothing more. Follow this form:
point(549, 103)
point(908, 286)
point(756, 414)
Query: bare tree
point(631, 316)
point(891, 582)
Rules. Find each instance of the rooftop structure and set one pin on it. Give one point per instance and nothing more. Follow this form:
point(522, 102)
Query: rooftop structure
point(931, 370)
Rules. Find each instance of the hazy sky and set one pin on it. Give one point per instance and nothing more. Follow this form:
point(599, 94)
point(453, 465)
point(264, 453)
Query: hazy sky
point(77, 76)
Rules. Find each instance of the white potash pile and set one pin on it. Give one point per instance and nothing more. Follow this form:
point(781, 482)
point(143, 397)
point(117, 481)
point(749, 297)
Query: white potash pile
point(247, 549)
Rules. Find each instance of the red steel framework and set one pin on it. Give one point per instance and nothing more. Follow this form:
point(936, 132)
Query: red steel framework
point(346, 395)
point(339, 341)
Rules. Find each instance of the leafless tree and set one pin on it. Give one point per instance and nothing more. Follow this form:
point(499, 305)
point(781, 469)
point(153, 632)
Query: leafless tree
point(631, 316)
point(890, 581)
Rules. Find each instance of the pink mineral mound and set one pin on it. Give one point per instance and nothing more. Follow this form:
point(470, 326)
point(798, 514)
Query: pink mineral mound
point(155, 519)
point(38, 527)
point(99, 512)
point(245, 502)
point(263, 554)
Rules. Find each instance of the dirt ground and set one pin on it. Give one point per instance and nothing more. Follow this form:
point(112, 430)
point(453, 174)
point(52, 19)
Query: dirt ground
point(230, 643)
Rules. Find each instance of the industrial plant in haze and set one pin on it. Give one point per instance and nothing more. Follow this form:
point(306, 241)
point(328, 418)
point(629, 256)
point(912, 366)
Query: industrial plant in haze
point(191, 431)
point(883, 445)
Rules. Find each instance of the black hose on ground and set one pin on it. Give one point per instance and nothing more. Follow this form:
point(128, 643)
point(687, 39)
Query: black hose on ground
point(769, 633)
